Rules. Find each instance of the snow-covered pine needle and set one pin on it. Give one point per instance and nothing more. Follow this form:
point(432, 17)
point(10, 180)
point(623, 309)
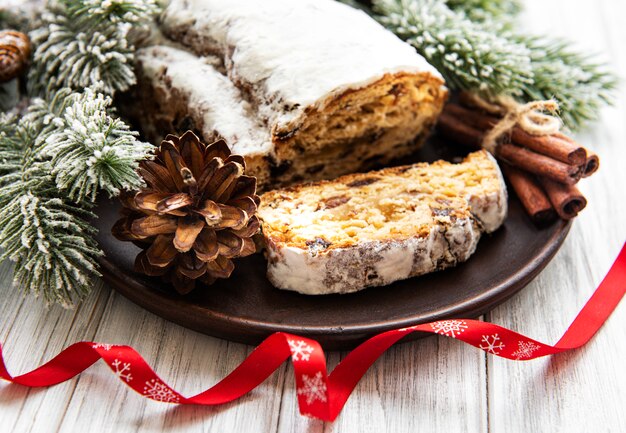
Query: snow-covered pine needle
point(93, 151)
point(470, 55)
point(85, 43)
point(48, 237)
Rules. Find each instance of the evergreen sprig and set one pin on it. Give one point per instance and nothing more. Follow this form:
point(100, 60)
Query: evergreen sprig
point(53, 161)
point(93, 151)
point(49, 239)
point(68, 145)
point(468, 54)
point(580, 85)
point(84, 43)
point(480, 10)
point(475, 47)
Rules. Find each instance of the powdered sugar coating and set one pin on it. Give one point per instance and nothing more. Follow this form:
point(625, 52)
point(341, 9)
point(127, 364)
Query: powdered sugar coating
point(335, 48)
point(346, 270)
point(208, 92)
point(489, 209)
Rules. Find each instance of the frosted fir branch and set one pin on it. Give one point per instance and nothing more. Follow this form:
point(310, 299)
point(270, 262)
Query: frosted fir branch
point(85, 43)
point(49, 239)
point(481, 10)
point(53, 161)
point(68, 146)
point(65, 57)
point(470, 55)
point(95, 12)
point(51, 243)
point(580, 85)
point(92, 151)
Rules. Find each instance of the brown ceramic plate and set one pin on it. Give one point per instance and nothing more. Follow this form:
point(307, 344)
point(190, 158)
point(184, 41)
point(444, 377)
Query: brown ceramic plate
point(246, 308)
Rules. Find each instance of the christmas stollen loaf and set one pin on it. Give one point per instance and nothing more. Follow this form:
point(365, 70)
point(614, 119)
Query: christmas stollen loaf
point(304, 89)
point(371, 229)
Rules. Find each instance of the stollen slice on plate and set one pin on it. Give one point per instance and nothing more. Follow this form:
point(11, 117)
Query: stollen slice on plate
point(375, 228)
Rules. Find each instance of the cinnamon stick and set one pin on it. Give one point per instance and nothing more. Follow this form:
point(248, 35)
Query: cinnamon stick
point(541, 165)
point(566, 199)
point(530, 193)
point(557, 146)
point(458, 131)
point(592, 165)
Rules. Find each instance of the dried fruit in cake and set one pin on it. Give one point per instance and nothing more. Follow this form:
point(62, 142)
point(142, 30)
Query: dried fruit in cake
point(304, 90)
point(371, 229)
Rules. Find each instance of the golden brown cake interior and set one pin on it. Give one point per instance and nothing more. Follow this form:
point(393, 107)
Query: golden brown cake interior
point(386, 205)
point(361, 128)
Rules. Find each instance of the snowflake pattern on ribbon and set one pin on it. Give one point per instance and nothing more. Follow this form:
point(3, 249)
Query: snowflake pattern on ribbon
point(450, 328)
point(159, 391)
point(122, 370)
point(492, 344)
point(525, 349)
point(314, 388)
point(300, 351)
point(102, 346)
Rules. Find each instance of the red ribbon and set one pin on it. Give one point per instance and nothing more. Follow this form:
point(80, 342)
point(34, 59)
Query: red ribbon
point(322, 395)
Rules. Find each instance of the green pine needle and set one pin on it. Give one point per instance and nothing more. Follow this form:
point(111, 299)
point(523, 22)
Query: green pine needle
point(580, 85)
point(470, 55)
point(481, 10)
point(93, 151)
point(69, 145)
point(472, 44)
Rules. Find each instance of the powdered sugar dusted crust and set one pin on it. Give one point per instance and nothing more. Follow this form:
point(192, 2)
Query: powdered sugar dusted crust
point(214, 99)
point(489, 209)
point(291, 54)
point(346, 270)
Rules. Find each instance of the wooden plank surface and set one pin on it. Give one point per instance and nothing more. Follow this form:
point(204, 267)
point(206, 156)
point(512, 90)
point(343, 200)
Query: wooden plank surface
point(435, 384)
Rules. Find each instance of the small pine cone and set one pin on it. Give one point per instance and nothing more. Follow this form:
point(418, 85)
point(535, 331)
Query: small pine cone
point(14, 54)
point(194, 216)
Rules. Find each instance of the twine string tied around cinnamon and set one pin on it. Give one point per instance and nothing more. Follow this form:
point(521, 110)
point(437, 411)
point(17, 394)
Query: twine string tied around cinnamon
point(530, 117)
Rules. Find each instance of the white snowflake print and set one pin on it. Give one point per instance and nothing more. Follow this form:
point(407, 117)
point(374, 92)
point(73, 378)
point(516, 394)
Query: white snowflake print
point(101, 346)
point(159, 391)
point(492, 344)
point(122, 370)
point(525, 349)
point(300, 351)
point(451, 328)
point(314, 388)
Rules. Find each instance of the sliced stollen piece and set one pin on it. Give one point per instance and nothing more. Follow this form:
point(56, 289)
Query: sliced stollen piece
point(374, 228)
point(332, 90)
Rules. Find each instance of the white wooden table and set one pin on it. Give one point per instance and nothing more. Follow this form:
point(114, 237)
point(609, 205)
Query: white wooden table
point(435, 384)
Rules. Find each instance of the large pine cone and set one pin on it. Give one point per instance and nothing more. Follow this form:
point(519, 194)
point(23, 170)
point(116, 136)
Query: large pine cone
point(196, 214)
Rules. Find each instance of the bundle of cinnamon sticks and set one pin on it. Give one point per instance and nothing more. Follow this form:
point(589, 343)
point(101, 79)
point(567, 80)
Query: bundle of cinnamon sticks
point(543, 170)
